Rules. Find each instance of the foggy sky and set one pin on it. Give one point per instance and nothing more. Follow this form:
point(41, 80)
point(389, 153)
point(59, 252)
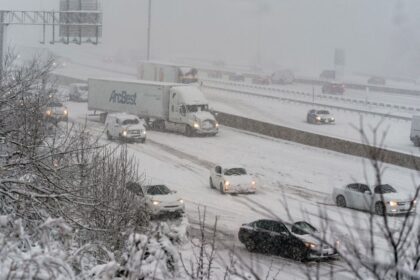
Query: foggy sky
point(378, 36)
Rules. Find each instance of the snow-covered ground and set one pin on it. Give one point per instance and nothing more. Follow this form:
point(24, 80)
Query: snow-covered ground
point(288, 172)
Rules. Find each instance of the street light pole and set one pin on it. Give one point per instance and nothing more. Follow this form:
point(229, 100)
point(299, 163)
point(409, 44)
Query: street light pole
point(148, 28)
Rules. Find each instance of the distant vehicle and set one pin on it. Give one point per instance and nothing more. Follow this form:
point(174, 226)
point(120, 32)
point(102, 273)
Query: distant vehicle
point(415, 131)
point(376, 81)
point(125, 127)
point(232, 179)
point(297, 241)
point(236, 77)
point(261, 80)
point(333, 88)
point(283, 77)
point(320, 117)
point(78, 92)
point(384, 199)
point(60, 62)
point(327, 75)
point(56, 112)
point(215, 74)
point(165, 72)
point(160, 200)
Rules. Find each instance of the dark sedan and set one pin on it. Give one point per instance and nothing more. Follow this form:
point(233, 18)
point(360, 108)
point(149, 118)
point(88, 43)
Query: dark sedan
point(333, 88)
point(274, 237)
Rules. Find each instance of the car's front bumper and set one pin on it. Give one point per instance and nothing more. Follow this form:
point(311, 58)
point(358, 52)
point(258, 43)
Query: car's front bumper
point(167, 209)
point(324, 253)
point(400, 209)
point(240, 189)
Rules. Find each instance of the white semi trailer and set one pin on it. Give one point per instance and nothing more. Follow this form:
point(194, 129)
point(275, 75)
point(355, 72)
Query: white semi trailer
point(165, 106)
point(164, 72)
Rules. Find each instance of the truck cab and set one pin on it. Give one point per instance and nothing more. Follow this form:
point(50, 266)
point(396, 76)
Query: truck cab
point(188, 109)
point(125, 127)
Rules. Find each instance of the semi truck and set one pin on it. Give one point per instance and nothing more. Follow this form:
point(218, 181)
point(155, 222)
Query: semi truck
point(164, 106)
point(164, 72)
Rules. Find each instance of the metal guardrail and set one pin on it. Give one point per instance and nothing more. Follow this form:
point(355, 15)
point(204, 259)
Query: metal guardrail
point(383, 115)
point(320, 141)
point(409, 109)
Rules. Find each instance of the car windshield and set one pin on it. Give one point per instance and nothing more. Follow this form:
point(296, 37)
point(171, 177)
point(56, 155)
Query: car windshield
point(158, 190)
point(302, 228)
point(130, 121)
point(323, 112)
point(197, 108)
point(55, 104)
point(235, 171)
point(381, 189)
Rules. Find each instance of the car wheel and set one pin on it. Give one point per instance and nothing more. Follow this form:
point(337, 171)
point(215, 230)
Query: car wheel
point(250, 245)
point(188, 131)
point(222, 190)
point(297, 254)
point(340, 201)
point(379, 209)
point(211, 183)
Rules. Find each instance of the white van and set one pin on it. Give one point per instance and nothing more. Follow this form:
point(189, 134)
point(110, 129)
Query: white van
point(125, 127)
point(415, 131)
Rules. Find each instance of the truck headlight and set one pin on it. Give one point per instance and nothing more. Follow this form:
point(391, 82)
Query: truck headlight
point(181, 201)
point(155, 202)
point(196, 125)
point(124, 133)
point(318, 118)
point(217, 124)
point(65, 112)
point(393, 203)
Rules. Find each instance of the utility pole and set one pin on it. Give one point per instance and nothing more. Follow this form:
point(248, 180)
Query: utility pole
point(149, 16)
point(1, 43)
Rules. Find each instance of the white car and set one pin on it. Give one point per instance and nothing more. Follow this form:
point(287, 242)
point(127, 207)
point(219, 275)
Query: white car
point(125, 127)
point(56, 112)
point(232, 179)
point(384, 199)
point(161, 200)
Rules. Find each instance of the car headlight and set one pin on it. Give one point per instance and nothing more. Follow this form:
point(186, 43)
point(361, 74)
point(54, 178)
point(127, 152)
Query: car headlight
point(181, 201)
point(337, 243)
point(318, 118)
point(217, 124)
point(253, 183)
point(48, 112)
point(393, 203)
point(155, 202)
point(124, 133)
point(196, 125)
point(65, 112)
point(310, 245)
point(414, 201)
point(332, 118)
point(227, 183)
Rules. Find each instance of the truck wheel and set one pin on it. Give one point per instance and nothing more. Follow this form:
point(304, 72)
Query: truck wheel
point(188, 131)
point(108, 135)
point(102, 117)
point(340, 201)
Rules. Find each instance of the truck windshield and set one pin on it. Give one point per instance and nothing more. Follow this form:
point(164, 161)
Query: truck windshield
point(130, 121)
point(197, 108)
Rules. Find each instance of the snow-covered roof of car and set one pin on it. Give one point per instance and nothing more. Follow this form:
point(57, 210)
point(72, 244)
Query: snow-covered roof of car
point(231, 165)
